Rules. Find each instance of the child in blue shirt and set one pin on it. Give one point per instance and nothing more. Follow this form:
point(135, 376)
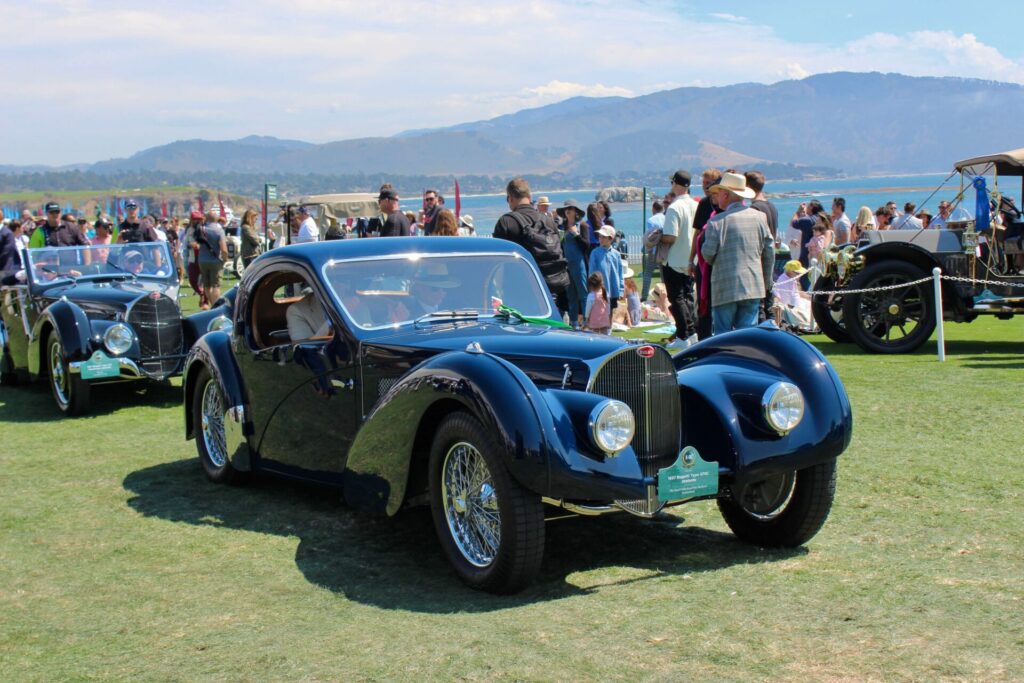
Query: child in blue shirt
point(608, 262)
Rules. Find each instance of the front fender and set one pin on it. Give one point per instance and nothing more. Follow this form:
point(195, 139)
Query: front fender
point(213, 351)
point(71, 325)
point(494, 391)
point(722, 381)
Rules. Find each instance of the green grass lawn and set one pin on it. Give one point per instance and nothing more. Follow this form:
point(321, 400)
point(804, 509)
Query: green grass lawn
point(119, 561)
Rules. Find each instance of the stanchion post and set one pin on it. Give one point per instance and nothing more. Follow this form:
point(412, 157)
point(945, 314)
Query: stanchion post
point(937, 280)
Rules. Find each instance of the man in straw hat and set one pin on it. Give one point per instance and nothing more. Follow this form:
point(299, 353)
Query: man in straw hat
point(739, 245)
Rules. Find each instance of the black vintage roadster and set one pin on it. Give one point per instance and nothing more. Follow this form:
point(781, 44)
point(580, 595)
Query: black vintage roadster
point(78, 316)
point(426, 371)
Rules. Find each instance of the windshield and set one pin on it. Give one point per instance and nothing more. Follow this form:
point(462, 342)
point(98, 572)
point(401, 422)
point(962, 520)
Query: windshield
point(376, 293)
point(149, 260)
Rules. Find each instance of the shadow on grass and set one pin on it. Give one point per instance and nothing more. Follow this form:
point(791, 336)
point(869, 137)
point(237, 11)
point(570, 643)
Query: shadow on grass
point(397, 563)
point(33, 402)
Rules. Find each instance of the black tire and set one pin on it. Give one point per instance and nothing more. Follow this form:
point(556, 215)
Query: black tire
point(783, 511)
point(70, 391)
point(502, 565)
point(828, 312)
point(892, 321)
point(210, 435)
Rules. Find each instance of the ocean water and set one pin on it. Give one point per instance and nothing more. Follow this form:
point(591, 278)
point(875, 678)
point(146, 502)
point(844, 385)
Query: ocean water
point(872, 192)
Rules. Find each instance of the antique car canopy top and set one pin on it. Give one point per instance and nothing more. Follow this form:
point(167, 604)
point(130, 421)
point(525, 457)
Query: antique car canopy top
point(1004, 163)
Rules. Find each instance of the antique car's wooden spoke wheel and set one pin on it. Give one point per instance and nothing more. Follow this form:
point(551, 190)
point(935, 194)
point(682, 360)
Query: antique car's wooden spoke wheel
point(70, 391)
point(490, 527)
point(894, 320)
point(208, 414)
point(828, 311)
point(783, 510)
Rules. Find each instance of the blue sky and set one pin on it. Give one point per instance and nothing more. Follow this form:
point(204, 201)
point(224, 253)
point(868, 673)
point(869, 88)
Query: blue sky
point(88, 80)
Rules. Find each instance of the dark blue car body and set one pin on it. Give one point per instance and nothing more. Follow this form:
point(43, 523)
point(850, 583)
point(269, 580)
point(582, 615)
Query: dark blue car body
point(362, 409)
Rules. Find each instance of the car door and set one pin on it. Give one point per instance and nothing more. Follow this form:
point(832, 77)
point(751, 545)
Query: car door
point(302, 396)
point(18, 320)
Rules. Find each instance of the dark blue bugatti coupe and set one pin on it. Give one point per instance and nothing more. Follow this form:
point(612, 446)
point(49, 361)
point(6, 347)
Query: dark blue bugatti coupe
point(411, 371)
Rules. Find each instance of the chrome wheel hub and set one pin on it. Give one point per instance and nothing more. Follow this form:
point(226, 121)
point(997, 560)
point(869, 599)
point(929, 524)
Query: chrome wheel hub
point(58, 375)
point(470, 504)
point(768, 499)
point(212, 418)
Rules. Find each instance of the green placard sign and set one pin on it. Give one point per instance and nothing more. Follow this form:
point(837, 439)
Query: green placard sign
point(270, 191)
point(100, 366)
point(689, 477)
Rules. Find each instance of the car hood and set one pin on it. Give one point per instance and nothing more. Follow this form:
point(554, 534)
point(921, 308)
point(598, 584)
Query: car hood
point(107, 296)
point(540, 351)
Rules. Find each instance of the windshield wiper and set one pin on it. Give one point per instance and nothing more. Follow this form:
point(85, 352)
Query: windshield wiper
point(130, 274)
point(465, 313)
point(58, 274)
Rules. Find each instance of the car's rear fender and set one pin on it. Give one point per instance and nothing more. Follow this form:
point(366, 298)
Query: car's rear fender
point(723, 380)
point(70, 324)
point(213, 352)
point(404, 420)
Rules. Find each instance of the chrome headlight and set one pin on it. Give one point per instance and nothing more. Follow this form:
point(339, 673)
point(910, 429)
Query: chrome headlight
point(612, 426)
point(783, 406)
point(118, 338)
point(220, 324)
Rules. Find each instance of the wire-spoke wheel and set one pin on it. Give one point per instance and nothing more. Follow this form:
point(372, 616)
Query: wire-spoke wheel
point(896, 320)
point(490, 528)
point(782, 510)
point(209, 412)
point(70, 391)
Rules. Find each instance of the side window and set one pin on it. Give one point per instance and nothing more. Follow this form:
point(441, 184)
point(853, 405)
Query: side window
point(269, 305)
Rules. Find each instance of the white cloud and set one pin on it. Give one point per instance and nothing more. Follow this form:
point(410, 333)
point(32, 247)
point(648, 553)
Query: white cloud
point(560, 90)
point(328, 69)
point(728, 17)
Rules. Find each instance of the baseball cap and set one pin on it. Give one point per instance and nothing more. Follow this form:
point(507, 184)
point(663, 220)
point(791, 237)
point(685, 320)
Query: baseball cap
point(387, 194)
point(196, 216)
point(304, 209)
point(52, 207)
point(681, 177)
point(131, 204)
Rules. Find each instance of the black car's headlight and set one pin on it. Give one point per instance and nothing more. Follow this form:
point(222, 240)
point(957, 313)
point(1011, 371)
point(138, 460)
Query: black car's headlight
point(783, 405)
point(612, 426)
point(118, 338)
point(220, 324)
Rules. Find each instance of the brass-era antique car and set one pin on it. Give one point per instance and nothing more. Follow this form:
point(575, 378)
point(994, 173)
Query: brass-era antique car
point(987, 257)
point(429, 371)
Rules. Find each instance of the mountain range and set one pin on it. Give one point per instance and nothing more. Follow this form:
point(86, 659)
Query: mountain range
point(852, 123)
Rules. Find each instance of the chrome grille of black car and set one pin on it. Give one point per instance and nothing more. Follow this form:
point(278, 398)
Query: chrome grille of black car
point(157, 324)
point(649, 387)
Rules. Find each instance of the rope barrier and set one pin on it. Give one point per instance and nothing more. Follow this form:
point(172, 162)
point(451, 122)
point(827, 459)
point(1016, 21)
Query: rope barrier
point(885, 288)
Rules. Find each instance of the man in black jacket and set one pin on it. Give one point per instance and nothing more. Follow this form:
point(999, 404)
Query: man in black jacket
point(535, 232)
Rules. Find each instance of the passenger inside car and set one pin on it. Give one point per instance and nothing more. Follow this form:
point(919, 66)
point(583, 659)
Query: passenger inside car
point(307, 318)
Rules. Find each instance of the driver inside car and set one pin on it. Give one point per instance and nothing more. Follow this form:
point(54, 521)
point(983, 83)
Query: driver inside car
point(427, 291)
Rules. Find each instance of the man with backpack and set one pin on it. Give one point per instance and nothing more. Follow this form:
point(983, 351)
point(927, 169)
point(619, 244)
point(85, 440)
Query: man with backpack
point(535, 232)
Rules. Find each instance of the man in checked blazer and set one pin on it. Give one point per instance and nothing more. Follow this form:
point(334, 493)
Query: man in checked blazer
point(740, 246)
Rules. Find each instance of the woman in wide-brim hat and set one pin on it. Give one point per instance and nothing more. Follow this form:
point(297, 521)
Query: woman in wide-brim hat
point(575, 246)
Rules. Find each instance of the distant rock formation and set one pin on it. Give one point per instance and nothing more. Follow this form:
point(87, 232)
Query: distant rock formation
point(620, 194)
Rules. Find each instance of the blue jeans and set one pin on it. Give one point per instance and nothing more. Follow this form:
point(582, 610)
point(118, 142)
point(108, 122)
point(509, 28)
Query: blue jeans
point(735, 315)
point(576, 294)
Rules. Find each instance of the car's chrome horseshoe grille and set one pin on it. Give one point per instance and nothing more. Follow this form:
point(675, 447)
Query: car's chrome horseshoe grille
point(157, 324)
point(649, 387)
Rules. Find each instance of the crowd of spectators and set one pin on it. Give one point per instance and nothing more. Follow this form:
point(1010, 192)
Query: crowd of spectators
point(715, 254)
